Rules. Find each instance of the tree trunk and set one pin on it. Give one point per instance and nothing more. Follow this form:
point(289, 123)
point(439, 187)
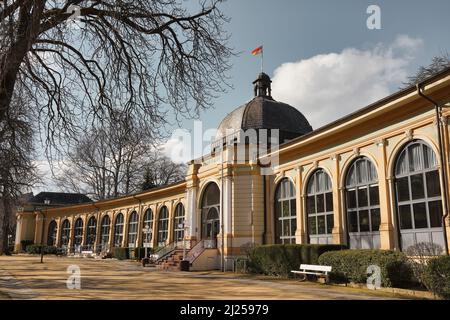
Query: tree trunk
point(4, 247)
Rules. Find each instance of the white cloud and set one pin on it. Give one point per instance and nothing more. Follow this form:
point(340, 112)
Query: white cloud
point(328, 86)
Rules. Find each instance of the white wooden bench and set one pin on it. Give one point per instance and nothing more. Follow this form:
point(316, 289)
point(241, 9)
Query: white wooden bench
point(317, 270)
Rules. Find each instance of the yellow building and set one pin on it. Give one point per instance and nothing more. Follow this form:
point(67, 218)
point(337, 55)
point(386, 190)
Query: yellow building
point(376, 178)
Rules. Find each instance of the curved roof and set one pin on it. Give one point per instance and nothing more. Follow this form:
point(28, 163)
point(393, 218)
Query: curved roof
point(265, 113)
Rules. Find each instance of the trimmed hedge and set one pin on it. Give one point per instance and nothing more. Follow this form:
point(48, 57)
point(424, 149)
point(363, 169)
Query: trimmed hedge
point(351, 266)
point(25, 243)
point(36, 249)
point(437, 276)
point(121, 253)
point(280, 259)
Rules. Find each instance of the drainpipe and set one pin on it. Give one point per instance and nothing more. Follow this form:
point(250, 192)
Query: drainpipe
point(438, 111)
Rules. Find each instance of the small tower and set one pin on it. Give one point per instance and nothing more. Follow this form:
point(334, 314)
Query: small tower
point(261, 86)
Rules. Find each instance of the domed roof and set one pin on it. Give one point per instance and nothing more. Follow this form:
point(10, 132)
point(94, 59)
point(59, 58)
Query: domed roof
point(263, 112)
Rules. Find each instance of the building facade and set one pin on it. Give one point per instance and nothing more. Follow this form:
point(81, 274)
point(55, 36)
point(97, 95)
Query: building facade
point(376, 178)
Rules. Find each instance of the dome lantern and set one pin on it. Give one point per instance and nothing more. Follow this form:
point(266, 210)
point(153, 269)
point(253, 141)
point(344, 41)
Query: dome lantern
point(261, 86)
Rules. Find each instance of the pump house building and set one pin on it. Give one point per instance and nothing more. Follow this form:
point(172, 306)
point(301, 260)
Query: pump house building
point(377, 178)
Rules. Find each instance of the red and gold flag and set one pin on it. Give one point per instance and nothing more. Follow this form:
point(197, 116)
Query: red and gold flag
point(257, 50)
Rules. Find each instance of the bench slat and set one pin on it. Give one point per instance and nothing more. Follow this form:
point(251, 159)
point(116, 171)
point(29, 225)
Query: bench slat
point(313, 267)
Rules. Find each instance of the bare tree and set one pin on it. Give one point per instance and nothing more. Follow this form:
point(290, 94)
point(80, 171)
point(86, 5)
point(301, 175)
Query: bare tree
point(437, 64)
point(112, 161)
point(78, 60)
point(160, 170)
point(17, 171)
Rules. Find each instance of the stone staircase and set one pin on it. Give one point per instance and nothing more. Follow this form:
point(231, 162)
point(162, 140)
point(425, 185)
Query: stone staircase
point(171, 262)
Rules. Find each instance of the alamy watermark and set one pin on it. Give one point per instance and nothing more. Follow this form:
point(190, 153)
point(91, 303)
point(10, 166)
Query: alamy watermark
point(74, 280)
point(373, 22)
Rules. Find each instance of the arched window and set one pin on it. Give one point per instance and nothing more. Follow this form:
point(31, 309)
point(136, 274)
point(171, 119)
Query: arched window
point(106, 222)
point(210, 215)
point(418, 195)
point(363, 205)
point(51, 236)
point(163, 226)
point(285, 212)
point(91, 232)
point(147, 236)
point(178, 226)
point(78, 235)
point(133, 229)
point(319, 207)
point(65, 233)
point(118, 230)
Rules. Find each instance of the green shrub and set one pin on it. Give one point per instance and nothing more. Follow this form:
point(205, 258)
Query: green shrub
point(437, 276)
point(351, 266)
point(280, 259)
point(120, 253)
point(36, 249)
point(25, 243)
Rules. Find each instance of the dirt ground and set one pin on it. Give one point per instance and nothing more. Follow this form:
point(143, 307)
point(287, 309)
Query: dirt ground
point(24, 277)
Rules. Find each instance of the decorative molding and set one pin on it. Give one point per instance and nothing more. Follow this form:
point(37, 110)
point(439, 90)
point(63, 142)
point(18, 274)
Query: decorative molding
point(381, 142)
point(335, 157)
point(356, 151)
point(315, 164)
point(409, 134)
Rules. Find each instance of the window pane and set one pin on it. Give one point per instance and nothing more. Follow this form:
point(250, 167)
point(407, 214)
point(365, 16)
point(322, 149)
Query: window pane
point(374, 196)
point(351, 199)
point(321, 224)
point(376, 219)
point(405, 217)
point(286, 228)
point(285, 207)
point(310, 205)
point(330, 223)
point(435, 210)
point(278, 209)
point(277, 231)
point(433, 186)
point(320, 203)
point(293, 208)
point(362, 197)
point(293, 226)
point(420, 215)
point(312, 225)
point(353, 221)
point(329, 202)
point(417, 190)
point(364, 224)
point(403, 189)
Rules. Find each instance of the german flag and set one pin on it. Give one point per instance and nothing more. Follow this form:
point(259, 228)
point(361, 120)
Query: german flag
point(257, 50)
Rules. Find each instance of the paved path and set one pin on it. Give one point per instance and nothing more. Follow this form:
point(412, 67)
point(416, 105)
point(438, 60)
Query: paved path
point(23, 277)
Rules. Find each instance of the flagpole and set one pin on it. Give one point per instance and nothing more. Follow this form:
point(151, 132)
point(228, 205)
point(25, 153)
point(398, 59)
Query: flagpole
point(262, 60)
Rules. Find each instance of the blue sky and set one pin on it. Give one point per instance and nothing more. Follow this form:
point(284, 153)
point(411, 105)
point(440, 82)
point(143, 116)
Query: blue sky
point(321, 56)
point(292, 30)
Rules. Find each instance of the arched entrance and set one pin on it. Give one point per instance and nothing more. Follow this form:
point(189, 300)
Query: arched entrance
point(418, 195)
point(210, 215)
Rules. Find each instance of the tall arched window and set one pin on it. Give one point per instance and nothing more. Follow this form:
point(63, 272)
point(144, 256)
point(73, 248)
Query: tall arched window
point(178, 226)
point(210, 215)
point(363, 205)
point(106, 222)
point(163, 226)
point(319, 207)
point(418, 195)
point(65, 233)
point(285, 212)
point(118, 230)
point(78, 235)
point(133, 229)
point(52, 230)
point(147, 236)
point(91, 232)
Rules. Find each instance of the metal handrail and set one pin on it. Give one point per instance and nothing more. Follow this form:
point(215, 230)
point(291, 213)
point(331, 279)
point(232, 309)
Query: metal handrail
point(195, 252)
